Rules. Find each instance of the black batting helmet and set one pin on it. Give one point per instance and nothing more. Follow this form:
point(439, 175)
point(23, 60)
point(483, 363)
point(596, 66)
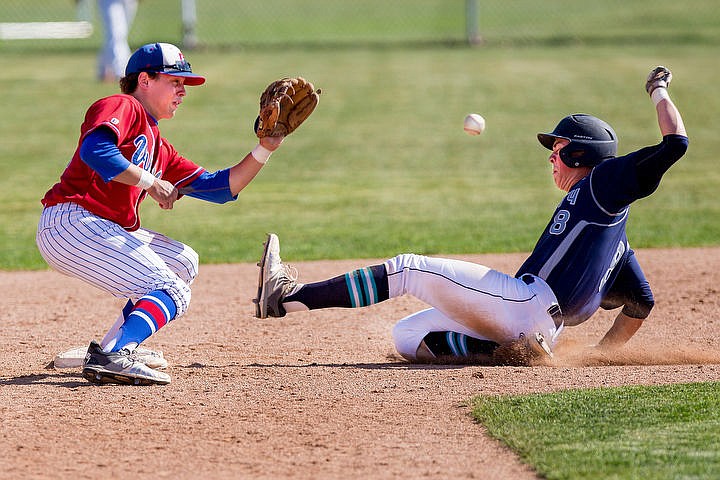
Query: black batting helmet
point(591, 140)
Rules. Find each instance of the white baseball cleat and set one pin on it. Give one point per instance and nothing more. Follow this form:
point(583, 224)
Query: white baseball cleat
point(119, 368)
point(75, 358)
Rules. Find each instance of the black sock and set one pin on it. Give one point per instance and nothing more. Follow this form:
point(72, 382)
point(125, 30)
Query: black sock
point(454, 344)
point(359, 288)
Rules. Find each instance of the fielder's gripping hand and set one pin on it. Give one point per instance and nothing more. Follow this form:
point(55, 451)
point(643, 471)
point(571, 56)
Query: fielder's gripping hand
point(660, 77)
point(284, 106)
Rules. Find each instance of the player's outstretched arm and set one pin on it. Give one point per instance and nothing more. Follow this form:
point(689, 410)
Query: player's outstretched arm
point(284, 105)
point(244, 172)
point(669, 118)
point(621, 331)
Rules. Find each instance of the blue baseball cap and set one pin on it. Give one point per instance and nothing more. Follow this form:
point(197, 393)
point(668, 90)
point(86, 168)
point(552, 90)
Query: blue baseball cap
point(162, 58)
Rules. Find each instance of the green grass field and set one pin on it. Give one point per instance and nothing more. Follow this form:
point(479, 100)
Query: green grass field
point(384, 167)
point(663, 432)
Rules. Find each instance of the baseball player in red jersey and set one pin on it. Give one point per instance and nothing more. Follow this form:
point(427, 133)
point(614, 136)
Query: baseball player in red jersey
point(582, 261)
point(90, 226)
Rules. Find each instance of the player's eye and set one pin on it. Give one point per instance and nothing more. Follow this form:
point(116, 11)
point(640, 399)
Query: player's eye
point(559, 145)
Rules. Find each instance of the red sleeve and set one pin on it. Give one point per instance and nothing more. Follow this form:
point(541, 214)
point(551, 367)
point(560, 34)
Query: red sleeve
point(121, 113)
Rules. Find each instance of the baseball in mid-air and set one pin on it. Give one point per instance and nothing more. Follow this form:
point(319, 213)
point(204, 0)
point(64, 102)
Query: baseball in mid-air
point(474, 124)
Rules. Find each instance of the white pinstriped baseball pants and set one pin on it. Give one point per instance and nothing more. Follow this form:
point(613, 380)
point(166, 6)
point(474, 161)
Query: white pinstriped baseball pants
point(125, 264)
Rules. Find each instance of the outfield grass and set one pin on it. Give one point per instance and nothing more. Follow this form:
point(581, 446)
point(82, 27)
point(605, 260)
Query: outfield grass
point(383, 166)
point(658, 433)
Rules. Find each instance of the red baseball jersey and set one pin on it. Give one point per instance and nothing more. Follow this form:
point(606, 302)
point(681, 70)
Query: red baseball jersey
point(139, 140)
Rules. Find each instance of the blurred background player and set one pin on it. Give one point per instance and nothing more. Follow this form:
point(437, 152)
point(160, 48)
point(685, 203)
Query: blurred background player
point(582, 261)
point(90, 226)
point(117, 17)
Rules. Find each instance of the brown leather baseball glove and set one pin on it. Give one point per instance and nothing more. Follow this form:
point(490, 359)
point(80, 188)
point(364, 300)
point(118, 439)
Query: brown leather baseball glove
point(284, 106)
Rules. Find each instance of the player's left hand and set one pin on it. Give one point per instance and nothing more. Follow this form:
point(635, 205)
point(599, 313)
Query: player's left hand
point(271, 143)
point(659, 77)
point(284, 106)
point(164, 193)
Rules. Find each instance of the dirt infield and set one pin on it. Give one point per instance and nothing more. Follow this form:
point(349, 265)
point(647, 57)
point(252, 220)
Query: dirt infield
point(311, 396)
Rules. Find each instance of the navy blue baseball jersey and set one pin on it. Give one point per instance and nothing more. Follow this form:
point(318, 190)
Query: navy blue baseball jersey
point(584, 248)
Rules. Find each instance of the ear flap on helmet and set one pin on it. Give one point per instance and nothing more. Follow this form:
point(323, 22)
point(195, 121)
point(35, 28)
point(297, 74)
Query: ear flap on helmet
point(576, 154)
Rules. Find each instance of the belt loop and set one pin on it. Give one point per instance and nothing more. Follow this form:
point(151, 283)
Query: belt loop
point(554, 309)
point(556, 314)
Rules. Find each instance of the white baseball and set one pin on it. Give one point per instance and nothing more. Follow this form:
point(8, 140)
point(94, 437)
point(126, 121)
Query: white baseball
point(474, 124)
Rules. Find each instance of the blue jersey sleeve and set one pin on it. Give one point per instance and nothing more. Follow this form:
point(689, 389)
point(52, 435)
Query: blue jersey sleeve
point(620, 181)
point(211, 187)
point(651, 168)
point(100, 152)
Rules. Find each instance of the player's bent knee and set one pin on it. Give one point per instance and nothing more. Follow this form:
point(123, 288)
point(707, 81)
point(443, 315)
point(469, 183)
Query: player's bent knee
point(402, 261)
point(181, 294)
point(407, 340)
point(191, 261)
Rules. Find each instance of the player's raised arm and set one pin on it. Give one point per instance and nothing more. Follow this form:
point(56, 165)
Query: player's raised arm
point(669, 118)
point(243, 173)
point(284, 105)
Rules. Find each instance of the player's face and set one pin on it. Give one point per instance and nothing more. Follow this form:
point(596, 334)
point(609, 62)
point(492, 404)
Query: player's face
point(562, 174)
point(166, 93)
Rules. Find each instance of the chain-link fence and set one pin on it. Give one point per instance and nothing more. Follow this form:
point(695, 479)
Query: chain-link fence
point(242, 24)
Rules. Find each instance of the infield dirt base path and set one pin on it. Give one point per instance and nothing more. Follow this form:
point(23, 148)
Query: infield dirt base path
point(313, 395)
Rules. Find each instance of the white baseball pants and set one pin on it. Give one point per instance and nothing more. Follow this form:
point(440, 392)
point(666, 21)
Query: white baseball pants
point(468, 298)
point(125, 264)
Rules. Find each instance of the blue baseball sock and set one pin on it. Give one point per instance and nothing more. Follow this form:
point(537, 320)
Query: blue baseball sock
point(150, 313)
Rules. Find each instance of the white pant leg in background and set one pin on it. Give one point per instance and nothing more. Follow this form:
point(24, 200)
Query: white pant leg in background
point(490, 304)
point(117, 18)
point(80, 244)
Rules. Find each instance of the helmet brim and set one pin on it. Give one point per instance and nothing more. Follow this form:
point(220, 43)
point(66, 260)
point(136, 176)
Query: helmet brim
point(548, 139)
point(191, 79)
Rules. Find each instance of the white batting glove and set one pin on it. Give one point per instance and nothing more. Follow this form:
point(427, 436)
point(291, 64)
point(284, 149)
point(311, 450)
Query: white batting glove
point(660, 77)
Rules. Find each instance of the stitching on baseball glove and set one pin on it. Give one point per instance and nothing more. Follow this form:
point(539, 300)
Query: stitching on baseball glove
point(284, 105)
